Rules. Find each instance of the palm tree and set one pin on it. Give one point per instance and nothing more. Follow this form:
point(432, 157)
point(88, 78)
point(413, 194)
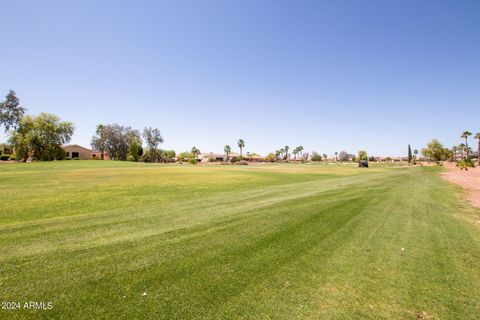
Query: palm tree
point(454, 151)
point(241, 145)
point(277, 154)
point(415, 152)
point(227, 150)
point(281, 153)
point(195, 152)
point(465, 135)
point(295, 152)
point(336, 154)
point(300, 150)
point(477, 136)
point(461, 148)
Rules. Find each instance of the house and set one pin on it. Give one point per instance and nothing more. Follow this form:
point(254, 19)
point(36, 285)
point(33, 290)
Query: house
point(76, 151)
point(97, 154)
point(211, 157)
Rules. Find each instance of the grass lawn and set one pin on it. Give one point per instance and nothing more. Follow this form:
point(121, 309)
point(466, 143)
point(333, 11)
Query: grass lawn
point(266, 242)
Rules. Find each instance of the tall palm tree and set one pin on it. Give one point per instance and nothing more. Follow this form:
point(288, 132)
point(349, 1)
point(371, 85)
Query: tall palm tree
point(286, 152)
point(195, 152)
point(415, 152)
point(295, 152)
point(281, 153)
point(465, 135)
point(241, 145)
point(227, 150)
point(477, 136)
point(300, 150)
point(336, 154)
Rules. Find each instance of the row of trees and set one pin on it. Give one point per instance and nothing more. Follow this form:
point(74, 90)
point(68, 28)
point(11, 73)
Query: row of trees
point(124, 143)
point(33, 137)
point(464, 148)
point(436, 151)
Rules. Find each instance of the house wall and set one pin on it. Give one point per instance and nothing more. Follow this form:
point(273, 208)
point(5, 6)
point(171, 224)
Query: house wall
point(99, 155)
point(83, 154)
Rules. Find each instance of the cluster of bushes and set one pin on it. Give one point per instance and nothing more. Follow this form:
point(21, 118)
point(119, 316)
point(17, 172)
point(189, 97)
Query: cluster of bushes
point(466, 163)
point(6, 157)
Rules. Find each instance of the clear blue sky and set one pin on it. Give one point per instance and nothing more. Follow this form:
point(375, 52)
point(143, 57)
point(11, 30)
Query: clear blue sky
point(329, 75)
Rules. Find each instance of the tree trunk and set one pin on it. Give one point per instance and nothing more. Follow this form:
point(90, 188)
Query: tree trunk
point(466, 146)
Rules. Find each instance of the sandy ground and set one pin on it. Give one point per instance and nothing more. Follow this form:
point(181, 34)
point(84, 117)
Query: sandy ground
point(470, 180)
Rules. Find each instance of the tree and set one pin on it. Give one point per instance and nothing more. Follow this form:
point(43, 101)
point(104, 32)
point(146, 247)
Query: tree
point(409, 154)
point(295, 152)
point(316, 156)
point(465, 135)
point(135, 150)
point(227, 150)
point(325, 156)
point(477, 136)
point(170, 154)
point(11, 113)
point(41, 137)
point(241, 145)
point(153, 139)
point(454, 150)
point(271, 157)
point(343, 156)
point(185, 156)
point(286, 152)
point(278, 154)
point(435, 151)
point(336, 154)
point(300, 150)
point(362, 155)
point(195, 152)
point(115, 139)
point(362, 159)
point(415, 152)
point(461, 148)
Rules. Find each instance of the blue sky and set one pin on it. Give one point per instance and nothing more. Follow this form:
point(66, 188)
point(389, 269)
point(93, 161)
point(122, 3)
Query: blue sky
point(328, 75)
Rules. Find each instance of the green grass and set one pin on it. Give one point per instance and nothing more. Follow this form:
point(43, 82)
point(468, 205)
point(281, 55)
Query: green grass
point(266, 242)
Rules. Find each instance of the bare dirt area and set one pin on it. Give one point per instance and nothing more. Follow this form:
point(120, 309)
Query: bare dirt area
point(470, 180)
point(7, 162)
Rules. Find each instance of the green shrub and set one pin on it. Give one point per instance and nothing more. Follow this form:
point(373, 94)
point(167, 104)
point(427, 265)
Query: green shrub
point(192, 161)
point(316, 156)
point(13, 158)
point(465, 164)
point(4, 157)
point(235, 159)
point(76, 158)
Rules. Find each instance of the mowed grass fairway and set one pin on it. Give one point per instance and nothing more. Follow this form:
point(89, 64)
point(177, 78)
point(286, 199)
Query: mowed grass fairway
point(230, 242)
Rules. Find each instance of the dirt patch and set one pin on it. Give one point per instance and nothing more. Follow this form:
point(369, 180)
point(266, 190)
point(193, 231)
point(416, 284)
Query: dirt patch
point(469, 180)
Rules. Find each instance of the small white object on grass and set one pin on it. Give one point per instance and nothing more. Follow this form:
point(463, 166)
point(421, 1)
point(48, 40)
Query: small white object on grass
point(403, 249)
point(144, 294)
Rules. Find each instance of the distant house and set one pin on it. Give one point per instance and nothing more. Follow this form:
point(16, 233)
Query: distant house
point(96, 154)
point(76, 151)
point(206, 157)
